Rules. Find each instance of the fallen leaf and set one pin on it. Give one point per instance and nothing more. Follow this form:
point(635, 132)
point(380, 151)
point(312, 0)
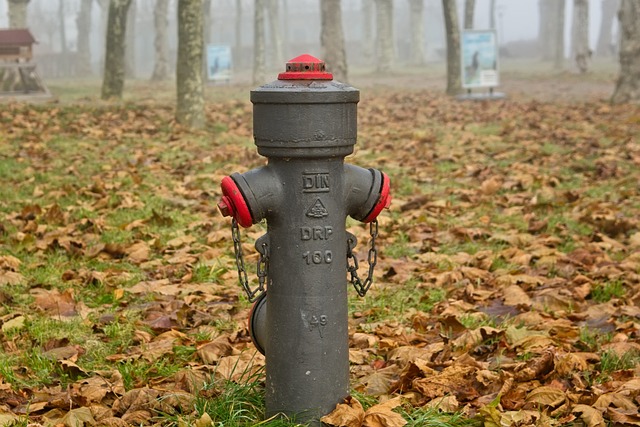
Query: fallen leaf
point(347, 414)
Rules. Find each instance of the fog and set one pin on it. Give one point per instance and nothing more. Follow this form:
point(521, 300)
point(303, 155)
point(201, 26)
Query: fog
point(517, 24)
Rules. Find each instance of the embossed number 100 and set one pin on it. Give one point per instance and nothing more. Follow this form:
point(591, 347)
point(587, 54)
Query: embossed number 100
point(318, 257)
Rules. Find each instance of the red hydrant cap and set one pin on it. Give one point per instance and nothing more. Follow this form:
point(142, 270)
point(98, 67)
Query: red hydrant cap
point(233, 203)
point(383, 201)
point(305, 67)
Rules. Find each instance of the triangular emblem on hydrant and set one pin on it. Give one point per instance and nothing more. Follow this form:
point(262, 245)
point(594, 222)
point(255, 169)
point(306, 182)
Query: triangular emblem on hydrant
point(317, 210)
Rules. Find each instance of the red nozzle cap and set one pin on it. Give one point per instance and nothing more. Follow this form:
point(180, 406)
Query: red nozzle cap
point(305, 67)
point(233, 203)
point(383, 201)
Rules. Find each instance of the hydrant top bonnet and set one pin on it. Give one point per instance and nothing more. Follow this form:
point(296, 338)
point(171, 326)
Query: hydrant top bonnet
point(305, 117)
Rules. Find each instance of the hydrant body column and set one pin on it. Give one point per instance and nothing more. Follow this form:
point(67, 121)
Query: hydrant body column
point(305, 124)
point(306, 346)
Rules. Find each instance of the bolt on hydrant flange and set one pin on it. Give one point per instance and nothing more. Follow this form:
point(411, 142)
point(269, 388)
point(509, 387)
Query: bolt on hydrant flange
point(304, 124)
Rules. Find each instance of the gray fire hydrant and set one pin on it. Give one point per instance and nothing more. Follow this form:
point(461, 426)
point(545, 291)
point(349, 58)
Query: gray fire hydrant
point(305, 124)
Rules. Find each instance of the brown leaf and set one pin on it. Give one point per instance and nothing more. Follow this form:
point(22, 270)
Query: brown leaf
point(11, 278)
point(615, 400)
point(78, 418)
point(54, 303)
point(626, 417)
point(515, 296)
point(382, 415)
point(590, 416)
point(536, 368)
point(546, 396)
point(347, 414)
point(456, 380)
point(213, 351)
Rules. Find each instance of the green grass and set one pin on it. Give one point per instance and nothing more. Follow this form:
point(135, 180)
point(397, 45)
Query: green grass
point(604, 292)
point(610, 361)
point(400, 248)
point(592, 339)
point(391, 302)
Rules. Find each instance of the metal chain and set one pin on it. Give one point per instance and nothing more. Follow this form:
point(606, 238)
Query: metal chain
point(372, 259)
point(262, 268)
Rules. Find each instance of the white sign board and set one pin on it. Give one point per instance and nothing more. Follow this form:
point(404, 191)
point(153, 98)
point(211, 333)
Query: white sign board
point(479, 50)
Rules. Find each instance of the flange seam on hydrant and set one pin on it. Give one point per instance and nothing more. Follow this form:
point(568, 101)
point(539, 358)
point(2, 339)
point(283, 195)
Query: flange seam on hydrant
point(305, 124)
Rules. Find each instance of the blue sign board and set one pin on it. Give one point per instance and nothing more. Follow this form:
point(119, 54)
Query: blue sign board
point(219, 63)
point(479, 50)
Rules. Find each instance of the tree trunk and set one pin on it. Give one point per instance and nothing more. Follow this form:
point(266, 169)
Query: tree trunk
point(259, 60)
point(102, 30)
point(130, 55)
point(454, 83)
point(113, 81)
point(161, 42)
point(545, 29)
point(275, 33)
point(63, 29)
point(18, 13)
point(206, 21)
point(580, 35)
point(332, 39)
point(492, 14)
point(469, 9)
point(605, 40)
point(284, 24)
point(384, 35)
point(83, 22)
point(628, 84)
point(367, 32)
point(558, 57)
point(416, 22)
point(237, 51)
point(206, 36)
point(190, 99)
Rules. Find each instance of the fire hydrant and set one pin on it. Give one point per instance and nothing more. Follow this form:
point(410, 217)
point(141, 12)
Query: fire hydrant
point(305, 124)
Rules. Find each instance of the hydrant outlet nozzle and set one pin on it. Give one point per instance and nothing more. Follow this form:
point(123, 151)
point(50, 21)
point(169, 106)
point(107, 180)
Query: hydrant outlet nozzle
point(233, 203)
point(384, 200)
point(225, 207)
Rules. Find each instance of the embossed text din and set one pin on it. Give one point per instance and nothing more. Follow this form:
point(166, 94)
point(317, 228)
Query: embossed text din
point(315, 182)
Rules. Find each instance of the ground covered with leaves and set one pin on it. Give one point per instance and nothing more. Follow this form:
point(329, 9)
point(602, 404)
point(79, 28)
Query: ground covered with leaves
point(507, 291)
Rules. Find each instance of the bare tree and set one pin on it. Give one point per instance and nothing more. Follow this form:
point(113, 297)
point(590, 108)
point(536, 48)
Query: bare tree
point(469, 9)
point(605, 40)
point(367, 31)
point(102, 29)
point(275, 32)
point(332, 39)
point(546, 29)
point(130, 52)
point(580, 35)
point(558, 34)
point(628, 84)
point(161, 42)
point(384, 35)
point(63, 31)
point(454, 83)
point(206, 34)
point(416, 22)
point(206, 22)
point(492, 14)
point(237, 50)
point(18, 13)
point(113, 81)
point(259, 59)
point(190, 88)
point(83, 23)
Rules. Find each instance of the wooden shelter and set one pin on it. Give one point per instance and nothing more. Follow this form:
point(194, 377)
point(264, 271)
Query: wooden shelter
point(18, 77)
point(16, 45)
